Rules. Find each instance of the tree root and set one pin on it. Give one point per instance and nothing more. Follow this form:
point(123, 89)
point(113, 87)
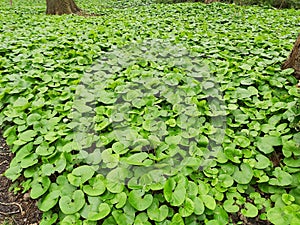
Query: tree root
point(293, 61)
point(12, 212)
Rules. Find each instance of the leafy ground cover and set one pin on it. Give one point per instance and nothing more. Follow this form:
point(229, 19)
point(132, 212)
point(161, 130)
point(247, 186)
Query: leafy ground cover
point(152, 114)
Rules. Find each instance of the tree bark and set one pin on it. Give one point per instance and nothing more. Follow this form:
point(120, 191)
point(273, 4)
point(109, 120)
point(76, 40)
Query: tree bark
point(59, 7)
point(210, 1)
point(293, 61)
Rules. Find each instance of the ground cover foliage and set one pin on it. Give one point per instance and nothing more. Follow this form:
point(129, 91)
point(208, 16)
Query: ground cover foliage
point(229, 151)
point(279, 4)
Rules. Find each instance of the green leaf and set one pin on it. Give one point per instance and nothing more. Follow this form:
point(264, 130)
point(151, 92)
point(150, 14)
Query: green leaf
point(39, 187)
point(27, 135)
point(274, 120)
point(71, 219)
point(187, 209)
point(140, 201)
point(209, 201)
point(288, 199)
point(242, 141)
point(213, 222)
point(137, 159)
point(141, 219)
point(13, 172)
point(49, 218)
point(119, 199)
point(168, 189)
point(80, 175)
point(243, 176)
point(114, 186)
point(49, 201)
point(199, 206)
point(225, 180)
point(230, 206)
point(29, 160)
point(292, 162)
point(173, 140)
point(262, 162)
point(250, 210)
point(110, 159)
point(21, 102)
point(44, 149)
point(282, 178)
point(103, 211)
point(177, 220)
point(245, 66)
point(125, 216)
point(70, 146)
point(192, 189)
point(277, 216)
point(72, 204)
point(157, 213)
point(178, 195)
point(95, 187)
point(33, 118)
point(47, 169)
point(245, 93)
point(265, 147)
point(119, 148)
point(289, 148)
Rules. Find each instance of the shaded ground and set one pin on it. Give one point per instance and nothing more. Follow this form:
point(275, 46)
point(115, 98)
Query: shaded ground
point(240, 219)
point(16, 209)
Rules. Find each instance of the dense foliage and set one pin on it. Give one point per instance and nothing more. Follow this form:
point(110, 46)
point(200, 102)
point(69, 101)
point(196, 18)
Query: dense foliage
point(280, 4)
point(152, 113)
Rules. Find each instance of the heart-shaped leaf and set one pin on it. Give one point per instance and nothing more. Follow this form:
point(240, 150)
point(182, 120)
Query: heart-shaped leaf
point(141, 219)
point(80, 175)
point(39, 187)
point(187, 209)
point(230, 206)
point(119, 199)
point(242, 141)
point(95, 187)
point(72, 204)
point(250, 210)
point(266, 143)
point(243, 176)
point(282, 178)
point(157, 213)
point(49, 201)
point(27, 135)
point(140, 201)
point(103, 211)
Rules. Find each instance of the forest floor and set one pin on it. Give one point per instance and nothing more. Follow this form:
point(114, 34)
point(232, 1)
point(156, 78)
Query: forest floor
point(15, 208)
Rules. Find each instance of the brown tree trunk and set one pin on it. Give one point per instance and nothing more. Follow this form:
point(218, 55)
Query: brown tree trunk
point(59, 7)
point(293, 61)
point(210, 1)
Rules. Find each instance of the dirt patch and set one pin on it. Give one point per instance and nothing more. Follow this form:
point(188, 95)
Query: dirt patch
point(238, 218)
point(15, 209)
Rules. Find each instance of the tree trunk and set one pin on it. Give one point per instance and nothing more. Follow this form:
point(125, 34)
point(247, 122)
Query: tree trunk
point(59, 7)
point(210, 1)
point(293, 61)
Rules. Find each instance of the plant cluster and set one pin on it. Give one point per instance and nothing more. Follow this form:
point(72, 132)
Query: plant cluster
point(156, 114)
point(266, 3)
